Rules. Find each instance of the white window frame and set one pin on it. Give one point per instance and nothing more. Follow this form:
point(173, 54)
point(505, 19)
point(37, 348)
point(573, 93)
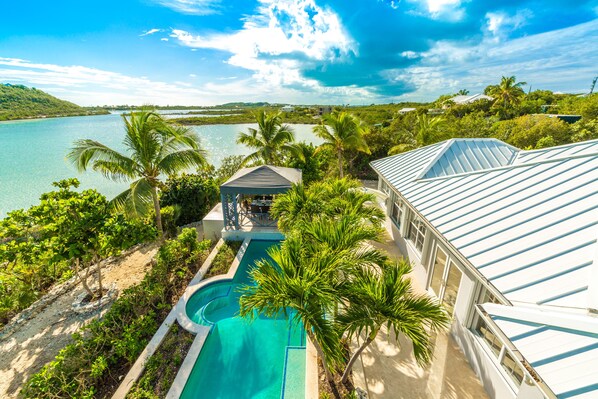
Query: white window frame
point(496, 360)
point(450, 262)
point(400, 204)
point(414, 217)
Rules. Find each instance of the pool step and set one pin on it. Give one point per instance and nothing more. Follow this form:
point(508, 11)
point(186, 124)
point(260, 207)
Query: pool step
point(293, 384)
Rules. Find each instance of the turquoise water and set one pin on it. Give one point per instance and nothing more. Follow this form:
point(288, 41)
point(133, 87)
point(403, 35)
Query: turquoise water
point(242, 359)
point(33, 152)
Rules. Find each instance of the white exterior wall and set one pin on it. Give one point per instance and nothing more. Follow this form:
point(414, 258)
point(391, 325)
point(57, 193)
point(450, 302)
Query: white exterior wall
point(483, 364)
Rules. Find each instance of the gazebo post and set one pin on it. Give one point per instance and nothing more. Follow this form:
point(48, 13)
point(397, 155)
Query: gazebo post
point(224, 201)
point(236, 210)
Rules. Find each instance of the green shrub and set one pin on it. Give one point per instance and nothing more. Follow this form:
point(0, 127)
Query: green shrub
point(224, 258)
point(106, 348)
point(195, 194)
point(170, 216)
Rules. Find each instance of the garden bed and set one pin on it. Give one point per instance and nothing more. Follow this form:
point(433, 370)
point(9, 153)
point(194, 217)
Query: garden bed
point(224, 258)
point(162, 367)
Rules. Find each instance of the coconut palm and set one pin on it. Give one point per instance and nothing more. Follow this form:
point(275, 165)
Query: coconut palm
point(463, 92)
point(332, 198)
point(341, 131)
point(427, 131)
point(507, 93)
point(154, 148)
point(271, 140)
point(306, 276)
point(385, 297)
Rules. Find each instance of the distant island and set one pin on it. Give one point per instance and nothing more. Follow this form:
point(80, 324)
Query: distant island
point(22, 102)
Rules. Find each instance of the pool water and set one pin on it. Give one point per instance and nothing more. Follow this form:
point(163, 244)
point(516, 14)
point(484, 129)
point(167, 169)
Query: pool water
point(262, 359)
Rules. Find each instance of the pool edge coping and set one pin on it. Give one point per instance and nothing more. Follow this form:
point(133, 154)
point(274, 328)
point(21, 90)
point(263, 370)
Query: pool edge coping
point(202, 332)
point(198, 283)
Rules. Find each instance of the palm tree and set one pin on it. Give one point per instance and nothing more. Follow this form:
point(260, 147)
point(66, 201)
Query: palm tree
point(426, 132)
point(333, 198)
point(508, 92)
point(341, 131)
point(154, 147)
point(463, 92)
point(271, 140)
point(385, 297)
point(307, 275)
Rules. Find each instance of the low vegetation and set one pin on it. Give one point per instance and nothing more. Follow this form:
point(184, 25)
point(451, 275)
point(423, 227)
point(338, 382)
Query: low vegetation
point(65, 234)
point(224, 258)
point(103, 352)
point(161, 369)
point(21, 102)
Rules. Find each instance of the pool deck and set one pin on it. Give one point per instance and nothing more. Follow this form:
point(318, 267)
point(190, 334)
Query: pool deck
point(386, 372)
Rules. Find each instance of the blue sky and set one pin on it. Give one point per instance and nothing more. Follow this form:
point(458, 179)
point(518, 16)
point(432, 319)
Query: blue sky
point(206, 52)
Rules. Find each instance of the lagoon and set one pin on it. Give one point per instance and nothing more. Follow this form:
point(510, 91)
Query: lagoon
point(32, 153)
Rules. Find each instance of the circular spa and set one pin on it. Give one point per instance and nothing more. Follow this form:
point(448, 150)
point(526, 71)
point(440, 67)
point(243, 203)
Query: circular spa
point(264, 358)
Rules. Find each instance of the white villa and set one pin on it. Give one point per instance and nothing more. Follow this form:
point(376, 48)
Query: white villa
point(470, 98)
point(507, 240)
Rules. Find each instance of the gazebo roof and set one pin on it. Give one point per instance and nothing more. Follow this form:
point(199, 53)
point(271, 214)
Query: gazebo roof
point(264, 179)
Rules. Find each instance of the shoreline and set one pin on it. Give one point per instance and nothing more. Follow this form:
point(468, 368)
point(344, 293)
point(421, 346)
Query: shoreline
point(43, 117)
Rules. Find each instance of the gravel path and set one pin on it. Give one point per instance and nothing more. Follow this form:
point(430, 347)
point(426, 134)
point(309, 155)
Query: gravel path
point(38, 340)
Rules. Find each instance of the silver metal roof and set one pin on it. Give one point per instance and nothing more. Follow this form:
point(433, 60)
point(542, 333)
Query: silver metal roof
point(529, 228)
point(562, 349)
point(529, 225)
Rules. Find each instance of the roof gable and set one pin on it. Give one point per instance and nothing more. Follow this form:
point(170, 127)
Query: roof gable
point(469, 155)
point(262, 179)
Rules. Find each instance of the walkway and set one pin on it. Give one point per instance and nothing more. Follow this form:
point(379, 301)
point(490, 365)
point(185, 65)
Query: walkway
point(387, 372)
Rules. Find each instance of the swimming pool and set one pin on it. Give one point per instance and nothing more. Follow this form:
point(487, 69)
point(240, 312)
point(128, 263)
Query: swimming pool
point(262, 359)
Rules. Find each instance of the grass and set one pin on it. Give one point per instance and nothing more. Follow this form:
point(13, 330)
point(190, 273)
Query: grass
point(161, 369)
point(224, 258)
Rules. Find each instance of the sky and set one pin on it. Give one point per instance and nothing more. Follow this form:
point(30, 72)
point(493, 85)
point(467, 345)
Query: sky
point(208, 52)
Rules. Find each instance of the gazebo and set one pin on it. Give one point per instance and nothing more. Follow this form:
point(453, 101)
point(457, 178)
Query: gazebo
point(247, 196)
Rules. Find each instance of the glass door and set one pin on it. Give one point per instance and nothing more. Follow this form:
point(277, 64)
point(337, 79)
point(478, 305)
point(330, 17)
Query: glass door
point(438, 271)
point(445, 281)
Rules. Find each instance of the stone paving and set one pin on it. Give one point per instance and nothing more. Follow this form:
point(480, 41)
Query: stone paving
point(387, 368)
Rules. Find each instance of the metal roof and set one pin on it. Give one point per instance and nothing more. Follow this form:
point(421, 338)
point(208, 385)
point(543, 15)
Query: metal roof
point(468, 155)
point(562, 348)
point(562, 151)
point(467, 99)
point(530, 227)
point(264, 179)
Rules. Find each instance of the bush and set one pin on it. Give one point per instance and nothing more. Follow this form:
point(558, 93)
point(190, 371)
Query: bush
point(224, 258)
point(526, 131)
point(170, 216)
point(105, 349)
point(195, 195)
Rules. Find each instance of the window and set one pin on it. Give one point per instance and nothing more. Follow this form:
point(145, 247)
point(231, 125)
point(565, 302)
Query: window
point(481, 328)
point(512, 368)
point(417, 233)
point(384, 187)
point(397, 211)
point(438, 271)
point(509, 365)
point(445, 280)
point(451, 288)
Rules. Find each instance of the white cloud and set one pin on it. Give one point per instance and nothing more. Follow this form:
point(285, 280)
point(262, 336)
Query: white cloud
point(151, 32)
point(164, 39)
point(540, 60)
point(450, 10)
point(192, 7)
point(271, 41)
point(500, 24)
point(90, 86)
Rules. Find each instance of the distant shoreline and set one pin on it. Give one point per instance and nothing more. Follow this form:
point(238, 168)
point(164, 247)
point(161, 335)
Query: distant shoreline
point(42, 117)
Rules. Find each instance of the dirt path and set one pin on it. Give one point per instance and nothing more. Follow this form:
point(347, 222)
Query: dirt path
point(38, 340)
